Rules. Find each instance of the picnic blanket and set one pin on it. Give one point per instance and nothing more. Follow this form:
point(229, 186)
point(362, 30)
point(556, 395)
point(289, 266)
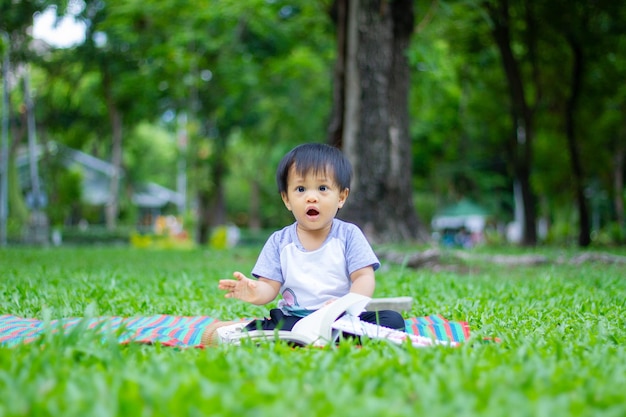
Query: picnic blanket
point(181, 331)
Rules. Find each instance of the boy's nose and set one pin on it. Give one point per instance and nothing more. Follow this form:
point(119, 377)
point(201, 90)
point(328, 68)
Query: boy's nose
point(311, 197)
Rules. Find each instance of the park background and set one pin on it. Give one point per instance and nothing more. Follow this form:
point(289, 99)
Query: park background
point(184, 109)
point(169, 110)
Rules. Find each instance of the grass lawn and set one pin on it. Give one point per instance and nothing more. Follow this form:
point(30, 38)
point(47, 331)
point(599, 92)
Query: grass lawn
point(562, 352)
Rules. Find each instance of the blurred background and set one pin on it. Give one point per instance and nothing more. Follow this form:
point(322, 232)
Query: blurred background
point(161, 122)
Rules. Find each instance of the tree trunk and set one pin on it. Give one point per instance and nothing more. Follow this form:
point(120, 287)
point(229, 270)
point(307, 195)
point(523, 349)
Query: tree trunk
point(204, 213)
point(211, 210)
point(17, 209)
point(521, 142)
point(115, 116)
point(401, 153)
point(375, 118)
point(618, 185)
point(211, 199)
point(584, 232)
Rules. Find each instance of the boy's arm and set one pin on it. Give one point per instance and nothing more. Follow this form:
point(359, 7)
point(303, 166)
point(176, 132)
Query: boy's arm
point(363, 281)
point(259, 292)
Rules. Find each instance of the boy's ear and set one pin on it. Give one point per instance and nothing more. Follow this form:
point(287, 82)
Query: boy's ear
point(283, 195)
point(343, 196)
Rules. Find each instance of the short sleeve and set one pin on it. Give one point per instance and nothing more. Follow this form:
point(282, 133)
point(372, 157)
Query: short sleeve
point(359, 252)
point(268, 262)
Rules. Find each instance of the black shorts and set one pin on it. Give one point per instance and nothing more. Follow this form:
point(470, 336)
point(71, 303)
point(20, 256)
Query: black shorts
point(281, 321)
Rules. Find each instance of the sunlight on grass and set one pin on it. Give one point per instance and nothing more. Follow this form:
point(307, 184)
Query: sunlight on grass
point(562, 332)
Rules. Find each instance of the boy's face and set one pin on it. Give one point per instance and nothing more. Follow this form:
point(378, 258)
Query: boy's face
point(314, 198)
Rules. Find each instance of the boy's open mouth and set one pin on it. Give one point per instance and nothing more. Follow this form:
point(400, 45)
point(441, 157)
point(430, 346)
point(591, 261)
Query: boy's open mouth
point(312, 212)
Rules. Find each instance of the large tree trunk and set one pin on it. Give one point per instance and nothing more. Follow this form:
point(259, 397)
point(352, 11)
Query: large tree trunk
point(375, 117)
point(521, 140)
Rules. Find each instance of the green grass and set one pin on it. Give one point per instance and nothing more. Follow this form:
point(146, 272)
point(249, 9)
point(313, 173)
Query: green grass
point(563, 332)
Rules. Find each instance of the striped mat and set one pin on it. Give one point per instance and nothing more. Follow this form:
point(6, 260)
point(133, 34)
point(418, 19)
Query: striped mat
point(181, 331)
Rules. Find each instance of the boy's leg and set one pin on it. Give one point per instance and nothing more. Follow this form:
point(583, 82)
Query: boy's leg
point(277, 320)
point(386, 318)
point(216, 332)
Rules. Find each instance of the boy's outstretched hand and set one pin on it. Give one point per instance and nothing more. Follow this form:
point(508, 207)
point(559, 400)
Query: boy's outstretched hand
point(245, 289)
point(242, 287)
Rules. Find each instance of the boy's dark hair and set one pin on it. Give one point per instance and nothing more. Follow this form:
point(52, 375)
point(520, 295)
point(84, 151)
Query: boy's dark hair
point(316, 158)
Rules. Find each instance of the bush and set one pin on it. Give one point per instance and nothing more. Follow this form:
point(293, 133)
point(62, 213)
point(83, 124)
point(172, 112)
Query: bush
point(95, 235)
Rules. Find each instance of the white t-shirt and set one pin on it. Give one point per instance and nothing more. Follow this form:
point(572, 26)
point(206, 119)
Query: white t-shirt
point(311, 278)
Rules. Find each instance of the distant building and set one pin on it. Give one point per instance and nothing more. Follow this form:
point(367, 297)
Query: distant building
point(150, 198)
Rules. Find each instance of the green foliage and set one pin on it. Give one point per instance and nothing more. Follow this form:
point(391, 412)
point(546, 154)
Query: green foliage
point(17, 16)
point(426, 206)
point(611, 234)
point(18, 212)
point(462, 113)
point(253, 78)
point(151, 156)
point(67, 195)
point(456, 83)
point(561, 352)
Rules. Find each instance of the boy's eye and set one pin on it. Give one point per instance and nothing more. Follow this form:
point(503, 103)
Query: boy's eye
point(323, 188)
point(300, 189)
